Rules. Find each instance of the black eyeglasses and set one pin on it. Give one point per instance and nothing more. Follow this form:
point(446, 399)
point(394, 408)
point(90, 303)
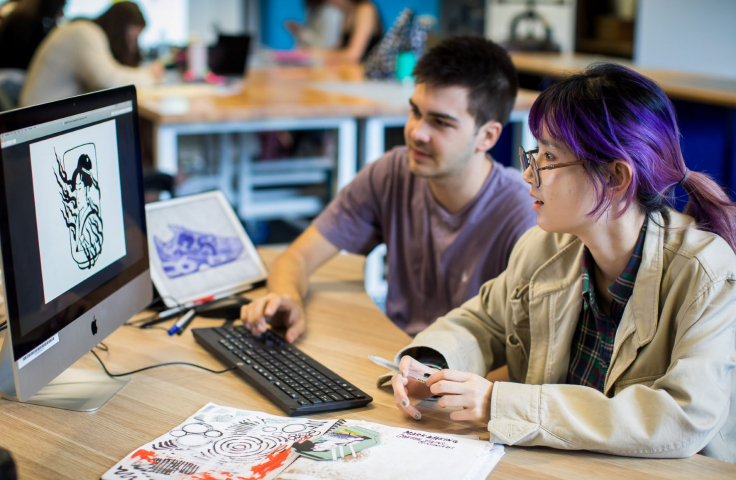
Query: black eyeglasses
point(527, 160)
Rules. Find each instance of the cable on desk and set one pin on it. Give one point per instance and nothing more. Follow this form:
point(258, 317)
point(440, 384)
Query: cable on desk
point(114, 375)
point(3, 325)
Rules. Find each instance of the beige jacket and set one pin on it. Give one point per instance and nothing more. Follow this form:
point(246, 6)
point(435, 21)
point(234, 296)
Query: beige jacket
point(671, 386)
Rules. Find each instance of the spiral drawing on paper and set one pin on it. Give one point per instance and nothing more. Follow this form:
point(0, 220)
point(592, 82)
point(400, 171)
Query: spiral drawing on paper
point(244, 448)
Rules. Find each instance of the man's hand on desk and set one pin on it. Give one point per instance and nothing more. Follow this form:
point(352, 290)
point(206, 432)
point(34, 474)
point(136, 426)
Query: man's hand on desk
point(281, 311)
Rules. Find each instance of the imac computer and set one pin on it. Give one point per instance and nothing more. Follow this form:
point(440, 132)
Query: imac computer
point(73, 240)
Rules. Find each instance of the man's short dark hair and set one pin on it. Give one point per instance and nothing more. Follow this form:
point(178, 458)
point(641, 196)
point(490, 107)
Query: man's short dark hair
point(479, 65)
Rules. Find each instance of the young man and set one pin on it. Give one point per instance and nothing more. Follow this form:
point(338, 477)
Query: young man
point(448, 214)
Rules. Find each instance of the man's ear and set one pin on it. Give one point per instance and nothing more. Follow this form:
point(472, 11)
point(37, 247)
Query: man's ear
point(621, 174)
point(488, 135)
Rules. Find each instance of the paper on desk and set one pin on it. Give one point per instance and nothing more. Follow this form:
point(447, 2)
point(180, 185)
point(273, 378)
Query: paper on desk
point(405, 453)
point(218, 443)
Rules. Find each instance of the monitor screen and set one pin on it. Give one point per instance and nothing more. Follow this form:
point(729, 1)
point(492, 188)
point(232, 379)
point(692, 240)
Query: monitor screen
point(71, 213)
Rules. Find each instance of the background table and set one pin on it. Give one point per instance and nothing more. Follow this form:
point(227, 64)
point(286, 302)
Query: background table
point(705, 106)
point(290, 98)
point(344, 328)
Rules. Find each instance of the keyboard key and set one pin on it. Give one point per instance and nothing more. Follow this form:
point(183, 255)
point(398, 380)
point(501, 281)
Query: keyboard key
point(342, 393)
point(325, 398)
point(335, 397)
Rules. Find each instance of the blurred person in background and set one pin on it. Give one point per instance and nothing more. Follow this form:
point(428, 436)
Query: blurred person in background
point(24, 28)
point(88, 55)
point(323, 28)
point(361, 30)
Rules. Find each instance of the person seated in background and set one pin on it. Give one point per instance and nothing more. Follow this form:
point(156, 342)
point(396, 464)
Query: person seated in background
point(323, 29)
point(448, 213)
point(615, 317)
point(24, 28)
point(88, 55)
point(361, 31)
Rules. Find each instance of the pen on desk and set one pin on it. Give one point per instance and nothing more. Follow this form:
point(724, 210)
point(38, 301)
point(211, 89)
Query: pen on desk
point(172, 312)
point(182, 323)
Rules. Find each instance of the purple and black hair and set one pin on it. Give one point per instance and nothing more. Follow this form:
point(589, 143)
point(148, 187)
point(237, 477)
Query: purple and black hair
point(610, 112)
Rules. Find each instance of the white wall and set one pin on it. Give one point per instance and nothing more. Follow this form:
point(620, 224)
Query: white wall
point(171, 21)
point(696, 36)
point(167, 20)
point(228, 15)
point(560, 17)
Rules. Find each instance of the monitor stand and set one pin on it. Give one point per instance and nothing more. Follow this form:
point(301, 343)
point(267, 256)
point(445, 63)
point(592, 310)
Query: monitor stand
point(75, 389)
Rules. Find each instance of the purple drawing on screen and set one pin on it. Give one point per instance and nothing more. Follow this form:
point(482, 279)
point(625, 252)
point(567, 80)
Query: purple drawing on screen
point(80, 202)
point(189, 251)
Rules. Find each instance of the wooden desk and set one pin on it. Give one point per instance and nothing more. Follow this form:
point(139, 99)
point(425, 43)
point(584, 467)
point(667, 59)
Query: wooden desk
point(677, 85)
point(344, 327)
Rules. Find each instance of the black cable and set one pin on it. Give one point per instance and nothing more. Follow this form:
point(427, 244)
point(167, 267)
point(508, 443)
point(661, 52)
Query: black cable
point(3, 325)
point(114, 375)
point(152, 327)
point(102, 347)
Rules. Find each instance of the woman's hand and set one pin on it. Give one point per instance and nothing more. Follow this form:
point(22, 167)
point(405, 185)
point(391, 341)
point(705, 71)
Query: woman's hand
point(462, 389)
point(405, 386)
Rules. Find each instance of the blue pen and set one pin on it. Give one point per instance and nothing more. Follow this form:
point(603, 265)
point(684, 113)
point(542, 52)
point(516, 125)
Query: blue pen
point(182, 323)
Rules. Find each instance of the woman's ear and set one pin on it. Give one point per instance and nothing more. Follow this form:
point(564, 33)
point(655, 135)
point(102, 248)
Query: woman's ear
point(621, 174)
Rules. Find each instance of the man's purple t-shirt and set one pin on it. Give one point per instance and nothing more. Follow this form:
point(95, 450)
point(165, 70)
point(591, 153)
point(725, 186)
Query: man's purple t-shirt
point(436, 260)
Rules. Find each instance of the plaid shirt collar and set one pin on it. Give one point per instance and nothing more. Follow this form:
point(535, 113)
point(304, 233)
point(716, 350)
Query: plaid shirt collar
point(622, 288)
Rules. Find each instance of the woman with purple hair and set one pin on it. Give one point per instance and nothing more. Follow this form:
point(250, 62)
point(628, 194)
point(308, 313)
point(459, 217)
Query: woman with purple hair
point(613, 328)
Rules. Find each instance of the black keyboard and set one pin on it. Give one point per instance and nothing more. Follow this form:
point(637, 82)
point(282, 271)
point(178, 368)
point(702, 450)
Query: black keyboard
point(296, 383)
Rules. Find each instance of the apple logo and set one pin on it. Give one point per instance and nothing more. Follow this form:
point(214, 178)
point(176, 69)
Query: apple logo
point(94, 325)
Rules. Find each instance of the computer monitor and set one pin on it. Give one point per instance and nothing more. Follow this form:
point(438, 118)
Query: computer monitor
point(73, 240)
point(229, 56)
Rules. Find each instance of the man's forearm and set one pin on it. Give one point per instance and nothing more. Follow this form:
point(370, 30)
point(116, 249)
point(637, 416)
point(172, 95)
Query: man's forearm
point(289, 276)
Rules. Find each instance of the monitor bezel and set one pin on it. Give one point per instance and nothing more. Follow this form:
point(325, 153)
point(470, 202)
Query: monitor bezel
point(26, 117)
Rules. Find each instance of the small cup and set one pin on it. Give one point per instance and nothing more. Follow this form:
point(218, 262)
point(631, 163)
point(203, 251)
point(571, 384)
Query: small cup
point(405, 63)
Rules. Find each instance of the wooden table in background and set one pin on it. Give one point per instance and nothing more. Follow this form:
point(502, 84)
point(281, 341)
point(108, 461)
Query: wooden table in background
point(676, 84)
point(344, 328)
point(284, 98)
